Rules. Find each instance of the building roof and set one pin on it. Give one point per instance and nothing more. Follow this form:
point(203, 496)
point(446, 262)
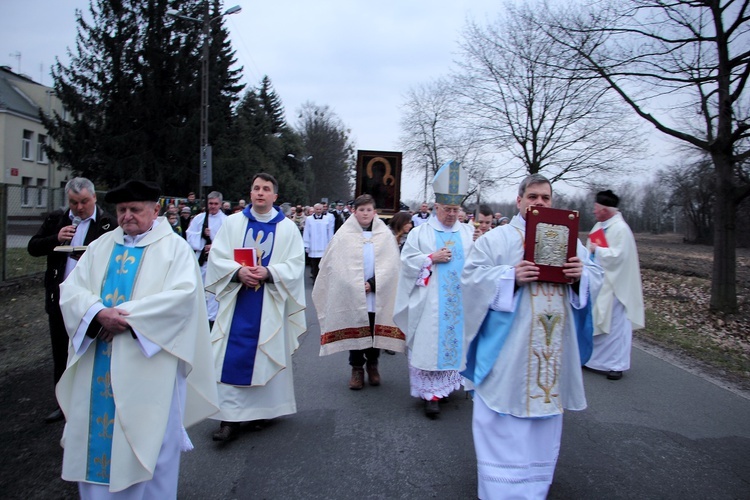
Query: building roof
point(12, 98)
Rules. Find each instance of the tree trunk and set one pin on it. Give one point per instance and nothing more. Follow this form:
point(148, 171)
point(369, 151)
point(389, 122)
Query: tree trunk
point(724, 278)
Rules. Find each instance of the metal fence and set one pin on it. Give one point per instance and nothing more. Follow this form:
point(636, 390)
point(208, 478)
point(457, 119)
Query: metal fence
point(22, 211)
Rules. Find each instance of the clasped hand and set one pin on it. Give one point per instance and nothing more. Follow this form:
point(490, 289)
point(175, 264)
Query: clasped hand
point(113, 322)
point(252, 276)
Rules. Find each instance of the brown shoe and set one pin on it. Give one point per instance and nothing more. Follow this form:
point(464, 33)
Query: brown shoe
point(372, 374)
point(357, 381)
point(227, 431)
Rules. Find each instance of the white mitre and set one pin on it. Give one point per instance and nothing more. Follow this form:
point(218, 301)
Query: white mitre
point(451, 183)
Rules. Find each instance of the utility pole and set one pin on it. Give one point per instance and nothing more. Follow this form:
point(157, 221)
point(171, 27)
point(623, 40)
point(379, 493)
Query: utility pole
point(205, 168)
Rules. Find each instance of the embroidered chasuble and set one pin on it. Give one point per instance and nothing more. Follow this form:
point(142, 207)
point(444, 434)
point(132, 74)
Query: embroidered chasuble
point(524, 350)
point(428, 306)
point(338, 294)
point(450, 307)
point(118, 287)
point(239, 360)
point(545, 348)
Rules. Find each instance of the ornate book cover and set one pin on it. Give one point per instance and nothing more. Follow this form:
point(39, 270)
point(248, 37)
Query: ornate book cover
point(551, 239)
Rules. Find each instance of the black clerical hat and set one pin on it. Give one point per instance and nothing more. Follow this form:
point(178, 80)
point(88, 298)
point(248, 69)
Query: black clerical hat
point(607, 198)
point(134, 190)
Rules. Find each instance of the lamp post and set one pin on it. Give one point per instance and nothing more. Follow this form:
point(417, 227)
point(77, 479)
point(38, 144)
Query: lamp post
point(205, 162)
point(306, 173)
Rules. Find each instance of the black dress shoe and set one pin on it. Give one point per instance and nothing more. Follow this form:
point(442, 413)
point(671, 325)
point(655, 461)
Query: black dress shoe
point(257, 425)
point(431, 408)
point(614, 375)
point(55, 416)
point(227, 431)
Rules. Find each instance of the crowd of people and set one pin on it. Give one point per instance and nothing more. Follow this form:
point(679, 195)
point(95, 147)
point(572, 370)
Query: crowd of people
point(160, 321)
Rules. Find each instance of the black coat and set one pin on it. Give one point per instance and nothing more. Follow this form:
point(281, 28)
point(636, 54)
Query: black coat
point(45, 240)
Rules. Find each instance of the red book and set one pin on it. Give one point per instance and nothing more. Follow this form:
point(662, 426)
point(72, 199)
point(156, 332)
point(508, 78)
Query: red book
point(598, 238)
point(246, 256)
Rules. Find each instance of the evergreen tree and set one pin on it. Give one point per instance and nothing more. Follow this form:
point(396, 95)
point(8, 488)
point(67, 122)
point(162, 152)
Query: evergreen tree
point(132, 94)
point(260, 141)
point(271, 104)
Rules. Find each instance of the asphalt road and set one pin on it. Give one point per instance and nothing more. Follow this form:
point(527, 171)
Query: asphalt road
point(660, 432)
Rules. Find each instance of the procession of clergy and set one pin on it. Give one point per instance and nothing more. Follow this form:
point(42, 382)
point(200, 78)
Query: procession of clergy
point(143, 364)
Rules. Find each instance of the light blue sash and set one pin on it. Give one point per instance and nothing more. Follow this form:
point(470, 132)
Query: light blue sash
point(450, 303)
point(118, 287)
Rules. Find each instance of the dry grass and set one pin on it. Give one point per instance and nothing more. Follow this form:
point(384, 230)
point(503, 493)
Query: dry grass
point(677, 292)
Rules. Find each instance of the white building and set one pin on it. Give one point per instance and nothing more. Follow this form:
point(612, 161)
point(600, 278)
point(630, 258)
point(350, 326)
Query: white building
point(23, 161)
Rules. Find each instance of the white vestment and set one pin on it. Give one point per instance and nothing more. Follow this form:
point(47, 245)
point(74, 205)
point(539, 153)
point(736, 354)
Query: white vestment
point(339, 296)
point(271, 393)
point(618, 308)
point(419, 218)
point(536, 373)
point(194, 236)
point(166, 369)
point(418, 308)
point(317, 234)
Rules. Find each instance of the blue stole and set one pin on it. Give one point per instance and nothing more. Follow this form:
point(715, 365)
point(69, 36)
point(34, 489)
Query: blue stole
point(117, 288)
point(244, 332)
point(584, 322)
point(486, 345)
point(450, 305)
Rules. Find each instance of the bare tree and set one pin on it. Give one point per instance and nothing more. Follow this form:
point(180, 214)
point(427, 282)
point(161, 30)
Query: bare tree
point(433, 132)
point(550, 121)
point(693, 192)
point(682, 66)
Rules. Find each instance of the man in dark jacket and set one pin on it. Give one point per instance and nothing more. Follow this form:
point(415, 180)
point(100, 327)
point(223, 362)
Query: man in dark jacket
point(79, 225)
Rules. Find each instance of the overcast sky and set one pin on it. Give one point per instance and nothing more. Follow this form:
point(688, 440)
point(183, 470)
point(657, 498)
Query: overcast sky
point(358, 57)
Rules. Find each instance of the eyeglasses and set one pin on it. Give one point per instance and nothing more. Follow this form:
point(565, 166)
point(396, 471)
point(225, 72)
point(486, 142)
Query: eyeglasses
point(451, 210)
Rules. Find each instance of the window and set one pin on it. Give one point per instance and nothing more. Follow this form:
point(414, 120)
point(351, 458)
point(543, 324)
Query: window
point(41, 192)
point(26, 191)
point(41, 154)
point(28, 135)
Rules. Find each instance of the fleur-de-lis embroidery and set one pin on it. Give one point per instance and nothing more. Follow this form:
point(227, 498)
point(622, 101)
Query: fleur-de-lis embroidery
point(103, 462)
point(106, 381)
point(108, 350)
point(115, 298)
point(106, 423)
point(548, 322)
point(546, 376)
point(124, 259)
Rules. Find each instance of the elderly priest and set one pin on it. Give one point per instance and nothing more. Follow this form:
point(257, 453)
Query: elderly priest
point(139, 367)
point(428, 302)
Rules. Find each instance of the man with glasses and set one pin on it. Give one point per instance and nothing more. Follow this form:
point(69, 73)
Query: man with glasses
point(428, 303)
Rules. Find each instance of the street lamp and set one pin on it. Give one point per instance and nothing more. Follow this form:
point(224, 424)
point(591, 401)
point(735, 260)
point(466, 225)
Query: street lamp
point(305, 172)
point(204, 165)
point(303, 160)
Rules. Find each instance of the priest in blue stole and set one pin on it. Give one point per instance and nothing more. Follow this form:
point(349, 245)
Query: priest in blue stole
point(524, 353)
point(139, 367)
point(261, 311)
